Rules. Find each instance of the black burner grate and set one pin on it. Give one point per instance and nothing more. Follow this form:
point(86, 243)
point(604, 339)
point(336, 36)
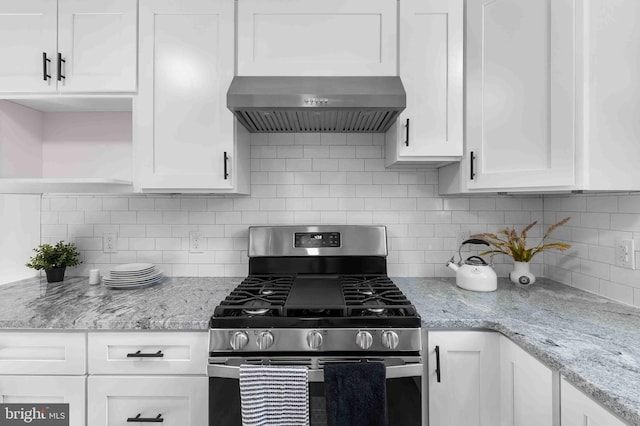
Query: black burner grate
point(358, 296)
point(257, 295)
point(374, 295)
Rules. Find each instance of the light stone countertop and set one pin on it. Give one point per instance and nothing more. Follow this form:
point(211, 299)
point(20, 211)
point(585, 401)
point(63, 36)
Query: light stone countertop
point(593, 341)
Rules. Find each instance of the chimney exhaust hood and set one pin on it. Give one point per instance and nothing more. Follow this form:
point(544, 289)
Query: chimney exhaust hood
point(316, 104)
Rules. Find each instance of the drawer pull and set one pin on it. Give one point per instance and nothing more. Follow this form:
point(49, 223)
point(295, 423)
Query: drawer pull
point(139, 354)
point(157, 419)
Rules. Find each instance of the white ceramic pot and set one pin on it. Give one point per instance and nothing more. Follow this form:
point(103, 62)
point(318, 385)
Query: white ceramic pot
point(521, 274)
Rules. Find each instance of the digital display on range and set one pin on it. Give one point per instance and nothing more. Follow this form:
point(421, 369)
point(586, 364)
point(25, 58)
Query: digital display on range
point(316, 239)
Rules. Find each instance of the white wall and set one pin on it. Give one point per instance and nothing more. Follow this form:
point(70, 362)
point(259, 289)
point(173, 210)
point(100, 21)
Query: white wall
point(19, 234)
point(596, 222)
point(302, 179)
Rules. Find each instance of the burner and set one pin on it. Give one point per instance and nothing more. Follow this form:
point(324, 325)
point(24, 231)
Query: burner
point(267, 291)
point(256, 307)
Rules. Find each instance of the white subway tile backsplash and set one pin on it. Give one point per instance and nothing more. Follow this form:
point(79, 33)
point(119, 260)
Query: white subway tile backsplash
point(132, 231)
point(310, 178)
point(114, 203)
point(337, 151)
point(617, 291)
point(123, 217)
point(281, 138)
point(48, 218)
point(351, 165)
point(63, 204)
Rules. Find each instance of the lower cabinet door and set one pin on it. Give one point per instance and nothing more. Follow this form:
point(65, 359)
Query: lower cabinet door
point(46, 390)
point(577, 409)
point(173, 401)
point(528, 388)
point(463, 378)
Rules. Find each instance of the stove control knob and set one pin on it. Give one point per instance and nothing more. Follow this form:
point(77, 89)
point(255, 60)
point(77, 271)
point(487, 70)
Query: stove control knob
point(239, 340)
point(390, 339)
point(314, 339)
point(364, 339)
point(264, 340)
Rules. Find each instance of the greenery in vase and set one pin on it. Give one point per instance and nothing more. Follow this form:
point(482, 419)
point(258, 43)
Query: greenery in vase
point(60, 255)
point(508, 241)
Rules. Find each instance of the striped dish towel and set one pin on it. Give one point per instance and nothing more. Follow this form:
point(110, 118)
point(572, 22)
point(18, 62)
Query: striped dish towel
point(274, 395)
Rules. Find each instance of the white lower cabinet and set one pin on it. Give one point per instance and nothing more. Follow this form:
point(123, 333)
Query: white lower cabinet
point(175, 401)
point(580, 410)
point(528, 388)
point(481, 378)
point(48, 390)
point(149, 375)
point(463, 378)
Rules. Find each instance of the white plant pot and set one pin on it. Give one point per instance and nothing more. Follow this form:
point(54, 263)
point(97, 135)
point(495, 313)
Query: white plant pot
point(521, 274)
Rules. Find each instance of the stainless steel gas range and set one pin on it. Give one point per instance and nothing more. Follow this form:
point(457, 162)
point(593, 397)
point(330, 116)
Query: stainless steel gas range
point(316, 295)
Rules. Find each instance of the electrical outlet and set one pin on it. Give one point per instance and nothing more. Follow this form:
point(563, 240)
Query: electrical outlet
point(625, 254)
point(196, 242)
point(110, 242)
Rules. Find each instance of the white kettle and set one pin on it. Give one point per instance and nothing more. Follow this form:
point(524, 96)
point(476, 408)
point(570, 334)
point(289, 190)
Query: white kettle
point(475, 273)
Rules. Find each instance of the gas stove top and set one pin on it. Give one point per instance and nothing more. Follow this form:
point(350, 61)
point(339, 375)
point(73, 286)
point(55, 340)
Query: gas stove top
point(315, 299)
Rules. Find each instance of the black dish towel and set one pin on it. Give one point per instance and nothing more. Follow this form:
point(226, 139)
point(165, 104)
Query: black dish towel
point(355, 394)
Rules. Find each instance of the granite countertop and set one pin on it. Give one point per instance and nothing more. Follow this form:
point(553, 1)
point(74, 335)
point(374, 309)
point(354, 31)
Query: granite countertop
point(592, 341)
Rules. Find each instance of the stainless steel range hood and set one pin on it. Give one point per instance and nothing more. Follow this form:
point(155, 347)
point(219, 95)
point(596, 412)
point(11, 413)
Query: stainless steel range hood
point(316, 104)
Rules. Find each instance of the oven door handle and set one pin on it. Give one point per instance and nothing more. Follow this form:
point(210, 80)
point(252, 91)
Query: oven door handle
point(393, 372)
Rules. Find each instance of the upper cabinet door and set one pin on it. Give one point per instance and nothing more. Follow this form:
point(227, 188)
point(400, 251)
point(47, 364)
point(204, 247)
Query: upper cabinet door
point(311, 37)
point(97, 40)
point(27, 45)
point(185, 133)
point(431, 55)
point(520, 93)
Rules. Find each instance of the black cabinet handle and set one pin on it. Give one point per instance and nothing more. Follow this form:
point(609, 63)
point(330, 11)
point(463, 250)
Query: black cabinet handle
point(60, 61)
point(45, 71)
point(226, 171)
point(472, 172)
point(438, 364)
point(406, 141)
point(157, 419)
point(139, 354)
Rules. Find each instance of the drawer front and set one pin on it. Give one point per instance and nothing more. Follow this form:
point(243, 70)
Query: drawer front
point(148, 353)
point(25, 352)
point(177, 401)
point(46, 390)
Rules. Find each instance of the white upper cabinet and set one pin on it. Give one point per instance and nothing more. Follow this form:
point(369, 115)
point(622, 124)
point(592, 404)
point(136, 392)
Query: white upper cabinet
point(68, 46)
point(186, 139)
point(310, 37)
point(97, 40)
point(551, 98)
point(520, 93)
point(430, 63)
point(27, 45)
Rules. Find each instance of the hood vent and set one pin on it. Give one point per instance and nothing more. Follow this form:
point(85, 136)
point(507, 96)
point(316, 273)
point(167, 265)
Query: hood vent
point(316, 104)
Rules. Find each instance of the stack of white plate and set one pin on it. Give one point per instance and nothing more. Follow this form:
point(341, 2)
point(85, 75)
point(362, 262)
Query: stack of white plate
point(132, 275)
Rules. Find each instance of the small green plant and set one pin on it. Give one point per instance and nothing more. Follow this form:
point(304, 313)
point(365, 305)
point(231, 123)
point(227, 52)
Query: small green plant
point(60, 255)
point(515, 245)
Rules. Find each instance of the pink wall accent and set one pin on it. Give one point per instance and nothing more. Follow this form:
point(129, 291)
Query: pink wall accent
point(87, 144)
point(20, 141)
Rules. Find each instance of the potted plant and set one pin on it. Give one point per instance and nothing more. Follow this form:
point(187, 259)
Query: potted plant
point(508, 241)
point(54, 259)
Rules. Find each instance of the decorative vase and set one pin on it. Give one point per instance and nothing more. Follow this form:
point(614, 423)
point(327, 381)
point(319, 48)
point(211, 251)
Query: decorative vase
point(521, 274)
point(55, 275)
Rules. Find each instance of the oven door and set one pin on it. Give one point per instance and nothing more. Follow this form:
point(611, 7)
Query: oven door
point(404, 390)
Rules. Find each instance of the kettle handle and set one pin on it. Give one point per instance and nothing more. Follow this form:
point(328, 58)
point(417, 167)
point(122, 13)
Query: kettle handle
point(475, 241)
point(484, 262)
